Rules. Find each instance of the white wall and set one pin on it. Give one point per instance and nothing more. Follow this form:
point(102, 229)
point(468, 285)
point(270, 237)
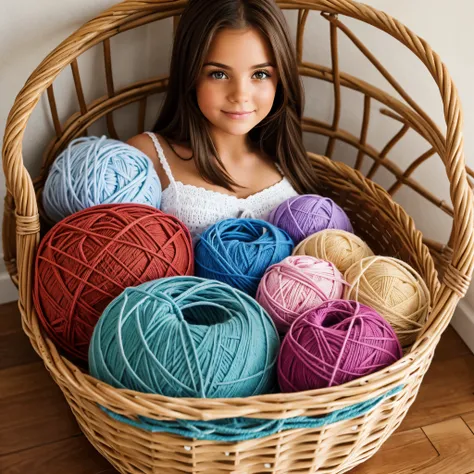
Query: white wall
point(30, 30)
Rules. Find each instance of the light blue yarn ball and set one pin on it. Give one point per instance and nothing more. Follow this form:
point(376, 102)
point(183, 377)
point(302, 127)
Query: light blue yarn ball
point(94, 171)
point(186, 337)
point(238, 251)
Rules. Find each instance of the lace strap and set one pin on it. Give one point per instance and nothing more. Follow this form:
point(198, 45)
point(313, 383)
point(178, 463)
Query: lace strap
point(162, 157)
point(166, 167)
point(278, 167)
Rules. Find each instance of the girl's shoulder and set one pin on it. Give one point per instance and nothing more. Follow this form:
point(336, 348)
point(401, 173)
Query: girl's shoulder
point(143, 143)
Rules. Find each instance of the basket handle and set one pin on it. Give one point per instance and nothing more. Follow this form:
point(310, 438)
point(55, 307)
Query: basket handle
point(457, 276)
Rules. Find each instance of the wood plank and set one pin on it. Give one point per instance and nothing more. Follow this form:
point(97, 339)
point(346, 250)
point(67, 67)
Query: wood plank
point(15, 347)
point(15, 350)
point(451, 451)
point(450, 437)
point(33, 410)
point(450, 346)
point(447, 391)
point(72, 456)
point(10, 319)
point(403, 450)
point(460, 463)
point(468, 418)
point(455, 443)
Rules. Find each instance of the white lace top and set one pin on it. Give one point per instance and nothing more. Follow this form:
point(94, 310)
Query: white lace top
point(198, 208)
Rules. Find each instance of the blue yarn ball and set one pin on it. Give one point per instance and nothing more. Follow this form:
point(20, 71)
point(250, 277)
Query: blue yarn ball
point(185, 337)
point(92, 171)
point(238, 251)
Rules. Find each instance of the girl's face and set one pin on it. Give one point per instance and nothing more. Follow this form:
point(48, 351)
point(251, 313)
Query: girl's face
point(237, 84)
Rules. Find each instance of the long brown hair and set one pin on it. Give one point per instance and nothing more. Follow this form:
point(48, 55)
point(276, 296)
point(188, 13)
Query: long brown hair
point(280, 134)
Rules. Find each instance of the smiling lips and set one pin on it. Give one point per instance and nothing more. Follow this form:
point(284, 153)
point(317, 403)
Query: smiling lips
point(237, 115)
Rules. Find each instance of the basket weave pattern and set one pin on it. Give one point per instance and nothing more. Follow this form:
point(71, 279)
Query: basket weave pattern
point(385, 226)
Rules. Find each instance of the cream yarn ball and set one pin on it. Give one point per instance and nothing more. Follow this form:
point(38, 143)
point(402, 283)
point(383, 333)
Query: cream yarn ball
point(337, 246)
point(394, 289)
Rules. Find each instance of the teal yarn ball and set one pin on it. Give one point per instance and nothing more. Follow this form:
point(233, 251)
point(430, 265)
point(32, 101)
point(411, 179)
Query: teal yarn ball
point(93, 171)
point(238, 252)
point(186, 337)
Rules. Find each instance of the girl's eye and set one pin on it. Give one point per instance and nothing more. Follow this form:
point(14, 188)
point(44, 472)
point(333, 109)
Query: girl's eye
point(216, 74)
point(265, 75)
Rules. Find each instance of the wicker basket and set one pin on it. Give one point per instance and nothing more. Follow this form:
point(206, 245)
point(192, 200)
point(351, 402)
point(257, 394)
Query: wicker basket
point(334, 448)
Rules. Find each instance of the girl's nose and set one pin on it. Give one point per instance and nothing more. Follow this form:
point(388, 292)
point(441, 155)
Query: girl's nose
point(239, 91)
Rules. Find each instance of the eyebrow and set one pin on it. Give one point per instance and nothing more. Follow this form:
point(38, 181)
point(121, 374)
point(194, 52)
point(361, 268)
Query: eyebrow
point(224, 66)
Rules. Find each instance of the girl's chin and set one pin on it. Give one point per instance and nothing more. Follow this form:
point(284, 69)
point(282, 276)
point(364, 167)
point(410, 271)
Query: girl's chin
point(235, 129)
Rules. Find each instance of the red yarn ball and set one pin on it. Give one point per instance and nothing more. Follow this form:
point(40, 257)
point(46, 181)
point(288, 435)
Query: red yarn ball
point(90, 257)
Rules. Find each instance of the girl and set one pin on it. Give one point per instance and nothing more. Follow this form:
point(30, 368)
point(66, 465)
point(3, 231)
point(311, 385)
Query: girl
point(228, 140)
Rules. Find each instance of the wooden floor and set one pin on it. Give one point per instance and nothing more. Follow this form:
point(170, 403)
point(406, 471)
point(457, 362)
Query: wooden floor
point(38, 434)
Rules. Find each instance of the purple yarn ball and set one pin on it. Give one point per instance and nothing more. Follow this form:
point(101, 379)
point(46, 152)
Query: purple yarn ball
point(334, 343)
point(302, 216)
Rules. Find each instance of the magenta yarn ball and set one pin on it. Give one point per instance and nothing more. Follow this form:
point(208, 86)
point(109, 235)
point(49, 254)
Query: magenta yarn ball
point(334, 343)
point(296, 284)
point(302, 216)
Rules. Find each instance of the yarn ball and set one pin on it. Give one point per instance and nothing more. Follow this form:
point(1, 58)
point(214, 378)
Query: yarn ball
point(394, 289)
point(334, 343)
point(89, 258)
point(302, 216)
point(296, 284)
point(337, 246)
point(238, 251)
point(92, 171)
point(186, 337)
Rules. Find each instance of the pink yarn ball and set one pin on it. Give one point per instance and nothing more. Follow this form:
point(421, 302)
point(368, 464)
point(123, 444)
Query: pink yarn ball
point(296, 284)
point(335, 343)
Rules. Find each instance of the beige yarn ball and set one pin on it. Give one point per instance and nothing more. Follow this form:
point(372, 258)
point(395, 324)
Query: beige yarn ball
point(394, 289)
point(337, 246)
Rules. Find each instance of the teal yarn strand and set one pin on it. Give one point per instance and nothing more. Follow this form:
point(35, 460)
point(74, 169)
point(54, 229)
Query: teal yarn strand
point(242, 429)
point(93, 171)
point(239, 251)
point(186, 337)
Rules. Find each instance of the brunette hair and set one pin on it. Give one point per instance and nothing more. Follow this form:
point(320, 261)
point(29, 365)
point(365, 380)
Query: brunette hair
point(280, 134)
